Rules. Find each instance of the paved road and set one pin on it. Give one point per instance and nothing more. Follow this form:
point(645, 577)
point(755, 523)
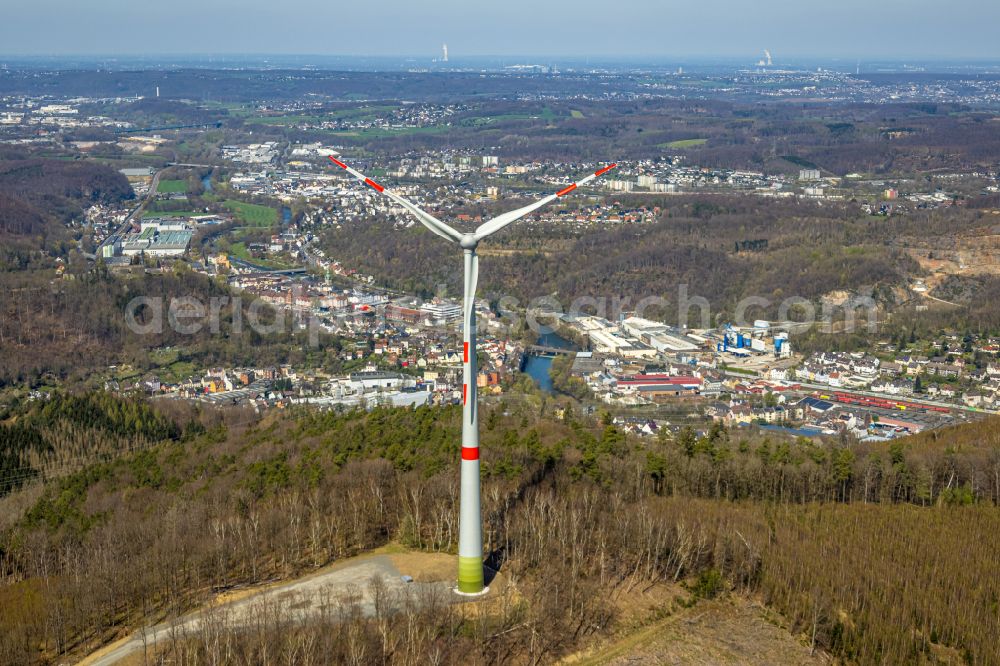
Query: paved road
point(193, 166)
point(315, 595)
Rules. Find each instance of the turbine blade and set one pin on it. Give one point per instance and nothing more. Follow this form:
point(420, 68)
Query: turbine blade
point(468, 320)
point(432, 223)
point(425, 218)
point(471, 283)
point(500, 221)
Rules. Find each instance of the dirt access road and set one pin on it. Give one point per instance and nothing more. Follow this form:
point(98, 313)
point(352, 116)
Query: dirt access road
point(313, 596)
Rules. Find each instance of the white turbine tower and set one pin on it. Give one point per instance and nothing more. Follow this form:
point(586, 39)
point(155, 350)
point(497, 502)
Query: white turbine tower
point(470, 535)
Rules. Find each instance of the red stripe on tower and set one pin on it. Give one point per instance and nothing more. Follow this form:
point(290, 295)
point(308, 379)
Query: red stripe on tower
point(337, 162)
point(605, 169)
point(470, 453)
point(566, 190)
point(372, 183)
point(466, 351)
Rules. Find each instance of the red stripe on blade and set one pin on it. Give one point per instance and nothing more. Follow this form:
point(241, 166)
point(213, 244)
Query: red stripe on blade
point(605, 169)
point(465, 392)
point(470, 453)
point(337, 162)
point(369, 181)
point(566, 190)
point(466, 345)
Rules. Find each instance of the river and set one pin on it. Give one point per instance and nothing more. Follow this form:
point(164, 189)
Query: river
point(538, 366)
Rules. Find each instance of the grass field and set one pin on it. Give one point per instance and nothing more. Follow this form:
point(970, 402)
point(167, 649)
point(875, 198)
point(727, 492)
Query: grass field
point(172, 186)
point(171, 213)
point(378, 132)
point(546, 114)
point(121, 162)
point(576, 114)
point(284, 120)
point(176, 372)
point(742, 371)
point(684, 143)
point(800, 162)
point(360, 113)
point(164, 356)
point(172, 368)
point(240, 251)
point(252, 214)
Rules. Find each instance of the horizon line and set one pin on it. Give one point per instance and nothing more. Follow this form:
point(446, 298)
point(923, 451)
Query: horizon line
point(453, 57)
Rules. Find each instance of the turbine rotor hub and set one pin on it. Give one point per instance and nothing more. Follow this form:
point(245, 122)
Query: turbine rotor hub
point(468, 242)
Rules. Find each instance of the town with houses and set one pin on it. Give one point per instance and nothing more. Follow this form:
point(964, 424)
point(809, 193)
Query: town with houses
point(406, 352)
point(403, 351)
point(462, 180)
point(292, 171)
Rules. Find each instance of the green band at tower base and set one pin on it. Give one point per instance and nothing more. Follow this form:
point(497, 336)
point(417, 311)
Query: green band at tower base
point(470, 575)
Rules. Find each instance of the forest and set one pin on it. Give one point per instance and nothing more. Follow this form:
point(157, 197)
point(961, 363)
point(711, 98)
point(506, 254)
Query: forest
point(38, 197)
point(65, 330)
point(42, 179)
point(577, 512)
point(51, 438)
point(810, 251)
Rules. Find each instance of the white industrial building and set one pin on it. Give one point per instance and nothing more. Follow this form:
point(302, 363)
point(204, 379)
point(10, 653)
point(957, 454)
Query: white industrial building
point(439, 312)
point(368, 380)
point(657, 335)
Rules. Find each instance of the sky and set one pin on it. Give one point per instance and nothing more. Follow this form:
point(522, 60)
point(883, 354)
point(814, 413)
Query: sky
point(850, 29)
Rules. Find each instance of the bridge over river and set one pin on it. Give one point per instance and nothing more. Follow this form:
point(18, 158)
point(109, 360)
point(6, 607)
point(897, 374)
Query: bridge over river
point(543, 350)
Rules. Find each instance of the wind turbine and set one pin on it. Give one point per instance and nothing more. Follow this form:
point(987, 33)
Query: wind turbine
point(470, 535)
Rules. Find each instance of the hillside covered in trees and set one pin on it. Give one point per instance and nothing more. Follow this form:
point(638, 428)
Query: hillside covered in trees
point(575, 511)
point(39, 196)
point(811, 251)
point(67, 329)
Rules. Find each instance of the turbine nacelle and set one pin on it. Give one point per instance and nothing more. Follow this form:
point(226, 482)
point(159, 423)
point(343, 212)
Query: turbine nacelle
point(468, 241)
